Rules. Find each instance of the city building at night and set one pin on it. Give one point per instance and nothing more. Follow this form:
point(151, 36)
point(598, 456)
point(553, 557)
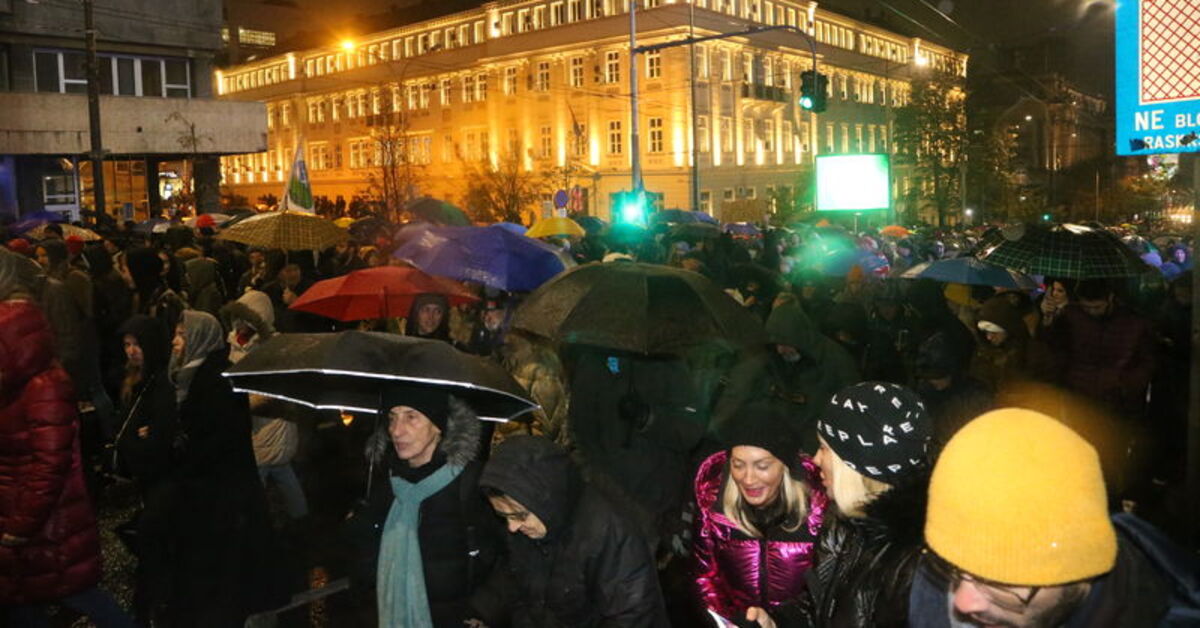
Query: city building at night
point(546, 83)
point(160, 125)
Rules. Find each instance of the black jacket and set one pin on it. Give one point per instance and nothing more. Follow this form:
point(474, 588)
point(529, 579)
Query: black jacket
point(459, 534)
point(865, 565)
point(590, 570)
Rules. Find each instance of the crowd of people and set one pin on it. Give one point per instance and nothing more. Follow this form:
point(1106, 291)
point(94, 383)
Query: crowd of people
point(897, 453)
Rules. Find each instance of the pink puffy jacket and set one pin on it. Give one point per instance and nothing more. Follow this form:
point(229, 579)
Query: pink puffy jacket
point(736, 571)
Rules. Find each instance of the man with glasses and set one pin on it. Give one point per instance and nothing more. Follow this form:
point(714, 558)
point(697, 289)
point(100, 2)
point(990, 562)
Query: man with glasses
point(1018, 534)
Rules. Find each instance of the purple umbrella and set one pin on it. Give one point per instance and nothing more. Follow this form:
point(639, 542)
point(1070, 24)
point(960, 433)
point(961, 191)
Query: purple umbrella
point(493, 256)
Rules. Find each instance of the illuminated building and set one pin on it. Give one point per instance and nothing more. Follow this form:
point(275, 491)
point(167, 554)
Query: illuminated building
point(547, 81)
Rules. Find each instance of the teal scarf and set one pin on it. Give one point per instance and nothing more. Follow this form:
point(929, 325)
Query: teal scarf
point(400, 583)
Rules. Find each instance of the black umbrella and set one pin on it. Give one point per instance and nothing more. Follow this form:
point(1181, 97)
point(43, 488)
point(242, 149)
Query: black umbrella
point(349, 370)
point(641, 308)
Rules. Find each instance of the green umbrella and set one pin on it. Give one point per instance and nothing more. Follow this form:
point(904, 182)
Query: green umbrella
point(1064, 251)
point(438, 212)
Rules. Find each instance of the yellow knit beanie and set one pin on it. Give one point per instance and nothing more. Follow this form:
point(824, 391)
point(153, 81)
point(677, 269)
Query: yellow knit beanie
point(1018, 498)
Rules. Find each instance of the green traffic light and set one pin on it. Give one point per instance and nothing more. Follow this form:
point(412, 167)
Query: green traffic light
point(1046, 217)
point(633, 209)
point(806, 102)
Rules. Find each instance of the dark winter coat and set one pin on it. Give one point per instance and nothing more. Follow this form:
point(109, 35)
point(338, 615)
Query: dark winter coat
point(1153, 583)
point(222, 533)
point(112, 306)
point(1110, 359)
point(42, 493)
point(152, 405)
point(591, 569)
point(865, 565)
point(459, 534)
point(206, 291)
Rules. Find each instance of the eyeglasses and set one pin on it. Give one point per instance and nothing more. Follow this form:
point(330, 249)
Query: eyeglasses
point(1005, 596)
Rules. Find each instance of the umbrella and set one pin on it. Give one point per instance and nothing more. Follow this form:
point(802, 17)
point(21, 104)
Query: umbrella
point(1067, 251)
point(383, 292)
point(37, 219)
point(344, 222)
point(438, 212)
point(491, 255)
point(591, 224)
point(743, 229)
point(969, 270)
point(556, 226)
point(704, 217)
point(839, 262)
point(153, 225)
point(290, 231)
point(207, 220)
point(674, 215)
point(368, 228)
point(68, 230)
point(641, 308)
point(513, 227)
point(895, 231)
point(695, 231)
point(350, 370)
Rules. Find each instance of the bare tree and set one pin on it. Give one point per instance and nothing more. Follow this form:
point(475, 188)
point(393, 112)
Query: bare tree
point(395, 173)
point(190, 140)
point(500, 191)
point(931, 135)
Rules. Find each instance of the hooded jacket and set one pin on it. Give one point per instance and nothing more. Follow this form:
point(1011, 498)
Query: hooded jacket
point(42, 493)
point(590, 570)
point(151, 405)
point(865, 565)
point(459, 534)
point(205, 290)
point(736, 571)
point(999, 365)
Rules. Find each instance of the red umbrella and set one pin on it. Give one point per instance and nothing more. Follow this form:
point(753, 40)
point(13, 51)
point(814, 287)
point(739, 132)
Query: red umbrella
point(383, 292)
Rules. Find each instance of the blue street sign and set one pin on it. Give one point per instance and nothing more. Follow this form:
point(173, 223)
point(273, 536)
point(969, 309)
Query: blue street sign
point(560, 199)
point(1158, 78)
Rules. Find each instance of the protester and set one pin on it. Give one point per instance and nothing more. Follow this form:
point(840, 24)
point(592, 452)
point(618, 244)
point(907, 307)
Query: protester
point(205, 290)
point(1019, 535)
point(429, 317)
point(572, 560)
point(221, 531)
point(49, 544)
point(151, 294)
point(760, 510)
point(874, 461)
point(1004, 353)
point(439, 541)
point(1053, 301)
point(952, 396)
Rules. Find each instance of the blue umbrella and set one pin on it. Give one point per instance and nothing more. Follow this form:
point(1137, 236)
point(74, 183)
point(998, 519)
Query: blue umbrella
point(746, 229)
point(37, 219)
point(970, 270)
point(491, 255)
point(513, 227)
point(674, 215)
point(703, 217)
point(839, 262)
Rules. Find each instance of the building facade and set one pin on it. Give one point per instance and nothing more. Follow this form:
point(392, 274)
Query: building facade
point(547, 83)
point(161, 128)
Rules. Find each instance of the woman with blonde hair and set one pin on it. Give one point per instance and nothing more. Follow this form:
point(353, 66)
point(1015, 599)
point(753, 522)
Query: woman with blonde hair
point(760, 511)
point(874, 464)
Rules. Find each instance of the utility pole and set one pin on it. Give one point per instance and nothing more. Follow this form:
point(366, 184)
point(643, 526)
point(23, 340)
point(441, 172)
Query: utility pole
point(1193, 438)
point(96, 154)
point(634, 140)
point(692, 84)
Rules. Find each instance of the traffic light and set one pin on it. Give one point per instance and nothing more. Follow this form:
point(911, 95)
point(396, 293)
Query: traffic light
point(630, 207)
point(1045, 217)
point(813, 88)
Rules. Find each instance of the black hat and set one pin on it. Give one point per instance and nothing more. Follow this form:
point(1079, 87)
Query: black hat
point(761, 424)
point(434, 404)
point(878, 429)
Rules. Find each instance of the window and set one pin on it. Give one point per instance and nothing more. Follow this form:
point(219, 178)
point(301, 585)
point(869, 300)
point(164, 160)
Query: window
point(468, 84)
point(447, 149)
point(558, 13)
point(768, 135)
point(470, 154)
point(727, 195)
point(654, 64)
point(706, 201)
point(542, 78)
point(577, 72)
point(656, 135)
point(485, 145)
point(574, 10)
point(546, 145)
point(318, 157)
point(829, 143)
point(285, 115)
point(481, 87)
point(788, 140)
point(63, 71)
point(612, 67)
point(514, 142)
point(748, 139)
point(614, 137)
point(747, 67)
point(58, 189)
point(845, 137)
point(871, 138)
point(580, 139)
point(726, 134)
point(444, 92)
point(768, 71)
point(510, 80)
point(703, 139)
point(702, 69)
point(726, 66)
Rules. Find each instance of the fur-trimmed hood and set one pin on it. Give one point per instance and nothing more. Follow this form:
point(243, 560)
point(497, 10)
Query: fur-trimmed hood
point(460, 441)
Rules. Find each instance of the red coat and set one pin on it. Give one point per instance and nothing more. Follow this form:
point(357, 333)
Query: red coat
point(42, 493)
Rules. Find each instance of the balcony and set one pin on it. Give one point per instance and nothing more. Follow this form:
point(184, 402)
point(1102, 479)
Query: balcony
point(756, 91)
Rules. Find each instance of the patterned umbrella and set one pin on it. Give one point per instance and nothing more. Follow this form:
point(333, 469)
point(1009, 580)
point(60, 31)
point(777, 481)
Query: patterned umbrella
point(68, 230)
point(290, 231)
point(1067, 251)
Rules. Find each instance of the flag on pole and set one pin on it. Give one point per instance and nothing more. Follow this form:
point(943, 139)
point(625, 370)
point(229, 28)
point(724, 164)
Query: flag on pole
point(297, 196)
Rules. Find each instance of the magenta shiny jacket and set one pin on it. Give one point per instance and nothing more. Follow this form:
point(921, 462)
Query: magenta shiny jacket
point(736, 571)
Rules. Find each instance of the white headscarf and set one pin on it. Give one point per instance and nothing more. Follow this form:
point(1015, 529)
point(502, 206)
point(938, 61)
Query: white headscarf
point(202, 334)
